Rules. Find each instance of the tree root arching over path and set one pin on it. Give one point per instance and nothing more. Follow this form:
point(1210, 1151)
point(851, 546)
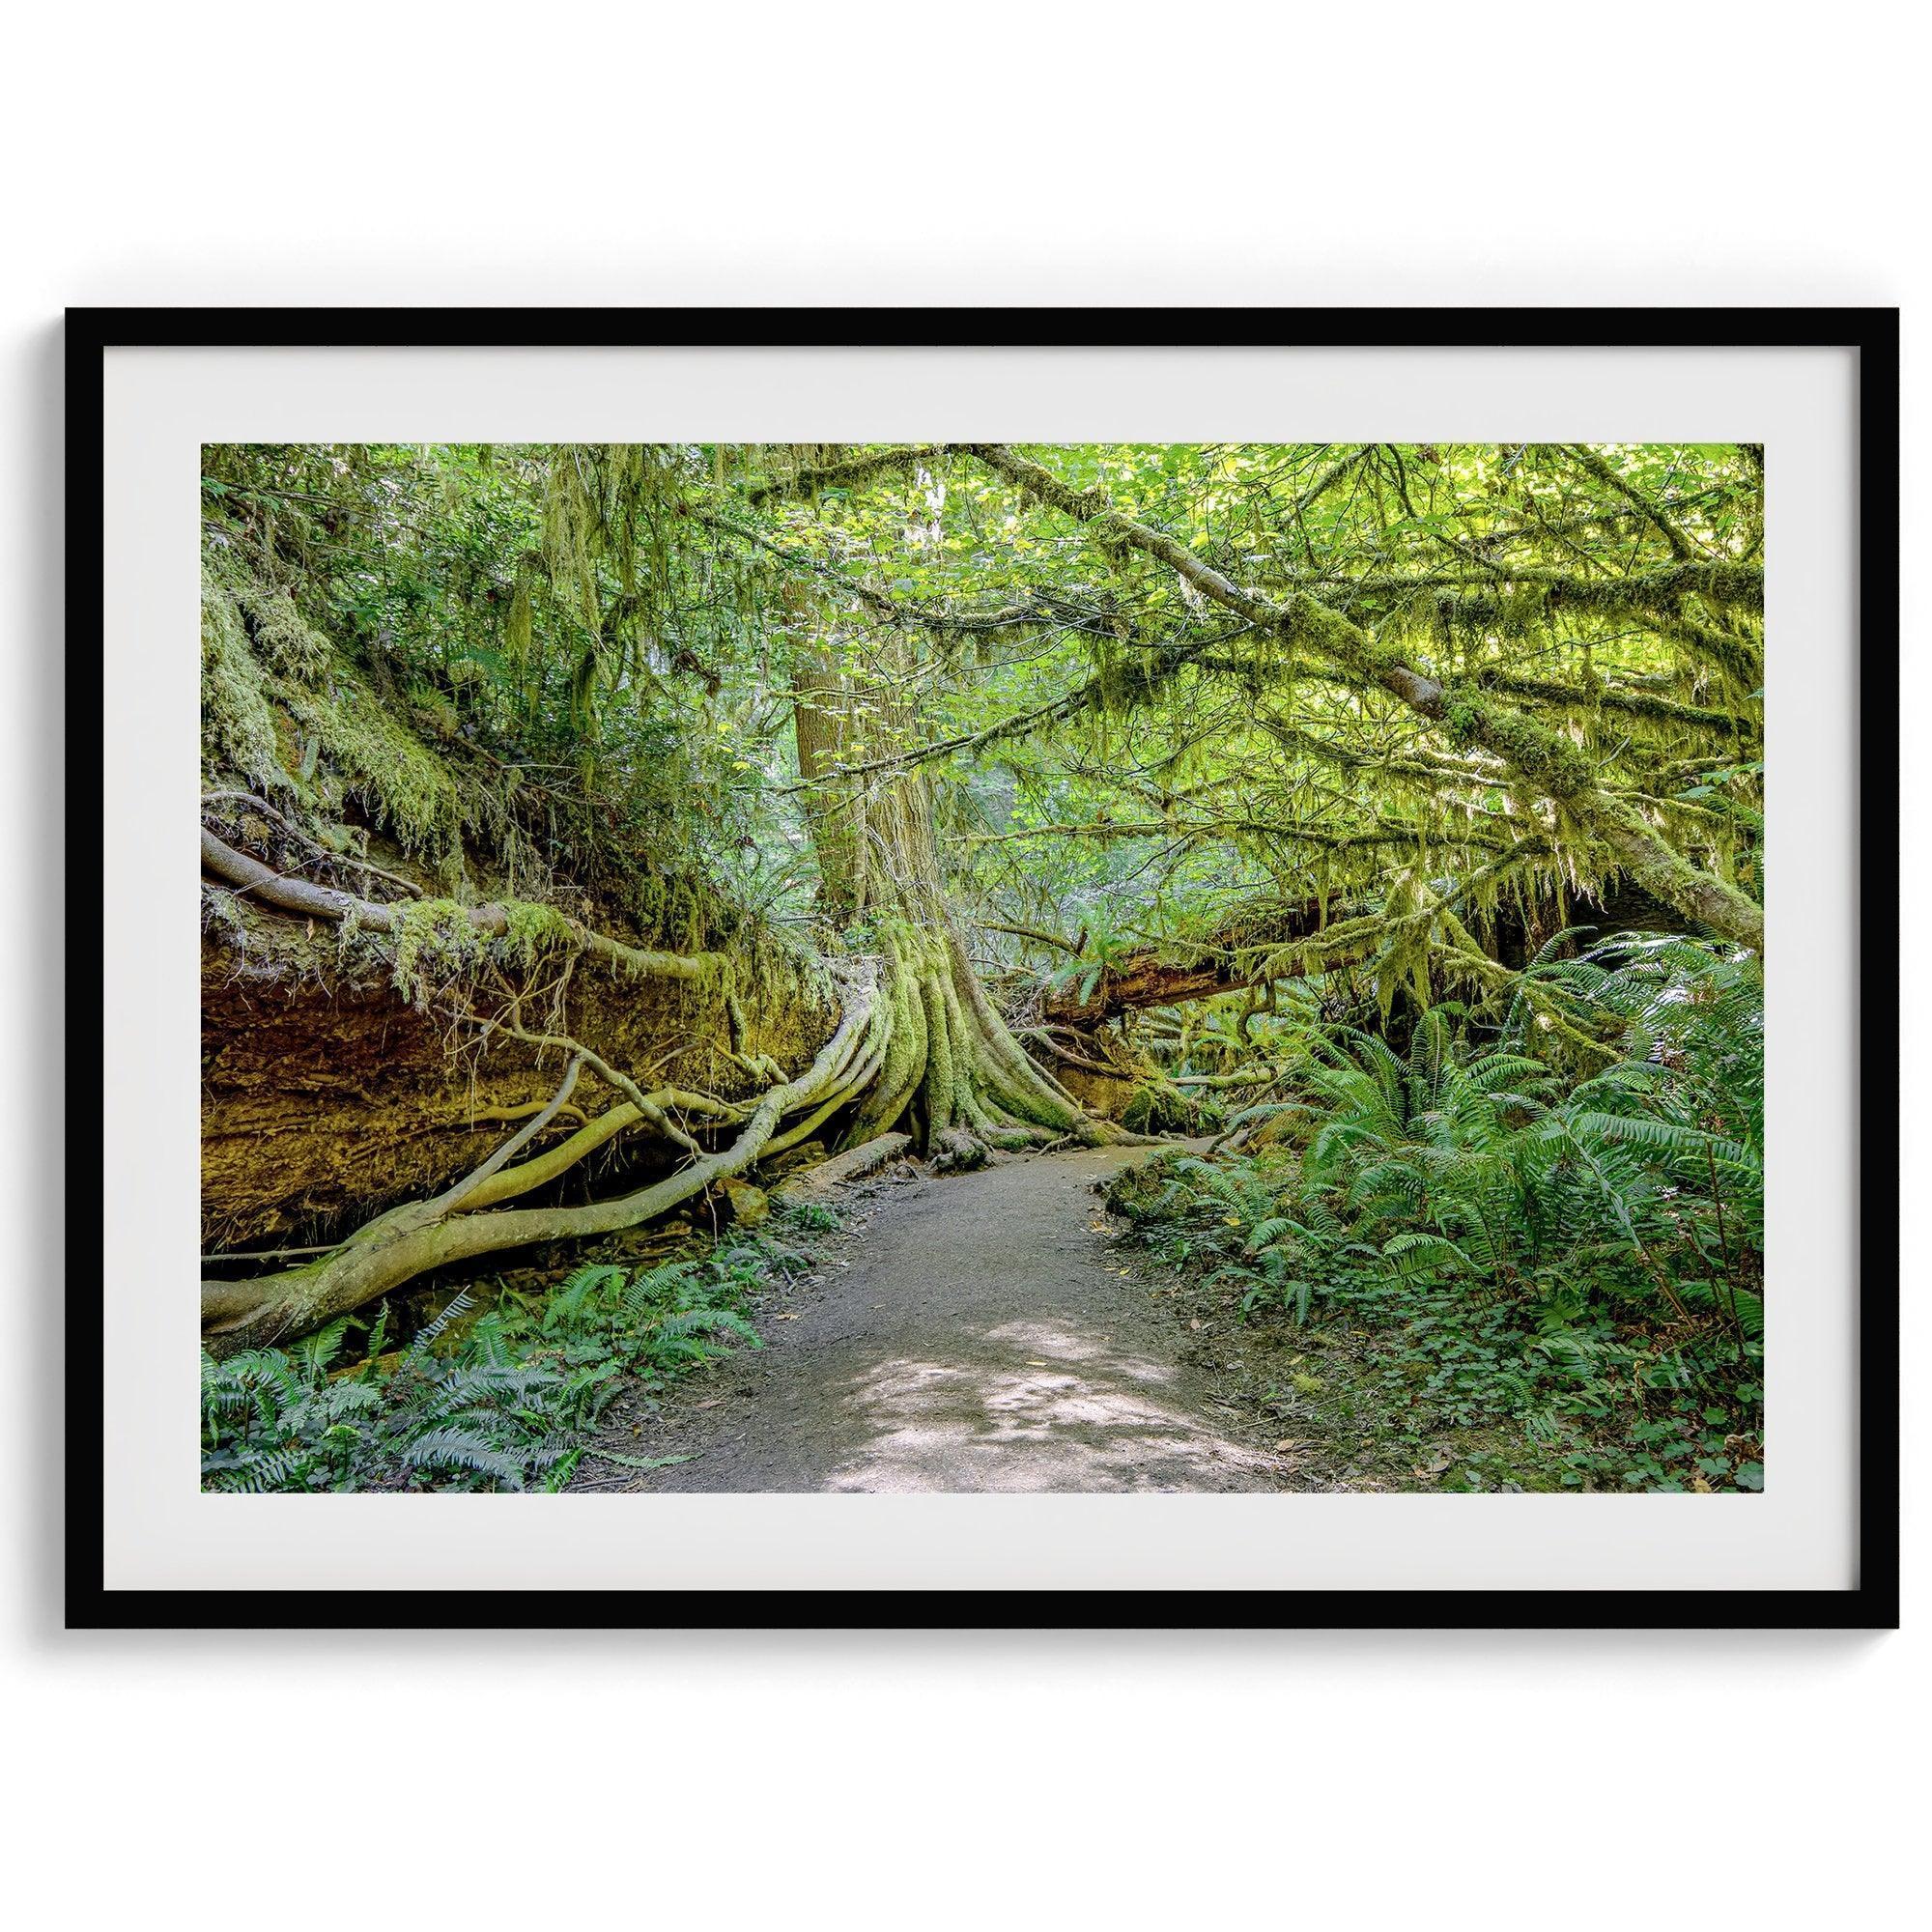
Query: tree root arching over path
point(979, 1335)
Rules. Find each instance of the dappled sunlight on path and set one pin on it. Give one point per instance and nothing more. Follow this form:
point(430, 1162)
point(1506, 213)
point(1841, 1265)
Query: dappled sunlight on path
point(976, 1333)
point(1043, 1407)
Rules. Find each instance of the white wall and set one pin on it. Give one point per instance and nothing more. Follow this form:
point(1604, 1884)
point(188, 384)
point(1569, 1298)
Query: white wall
point(384, 152)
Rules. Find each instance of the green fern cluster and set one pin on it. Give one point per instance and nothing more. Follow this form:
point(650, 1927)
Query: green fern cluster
point(1603, 1229)
point(276, 1419)
point(499, 1401)
point(656, 1324)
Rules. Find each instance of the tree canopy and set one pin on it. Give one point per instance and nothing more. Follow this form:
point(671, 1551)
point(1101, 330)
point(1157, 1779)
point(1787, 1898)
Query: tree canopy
point(1150, 685)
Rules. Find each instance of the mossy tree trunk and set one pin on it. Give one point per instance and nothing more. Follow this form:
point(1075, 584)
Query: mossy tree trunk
point(953, 1073)
point(919, 1044)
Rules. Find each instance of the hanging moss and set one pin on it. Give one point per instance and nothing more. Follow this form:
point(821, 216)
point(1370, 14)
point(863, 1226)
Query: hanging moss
point(379, 758)
point(283, 637)
point(535, 929)
point(237, 730)
point(434, 943)
point(284, 711)
point(431, 936)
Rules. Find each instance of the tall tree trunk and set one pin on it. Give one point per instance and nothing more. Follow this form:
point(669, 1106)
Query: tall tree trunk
point(952, 1071)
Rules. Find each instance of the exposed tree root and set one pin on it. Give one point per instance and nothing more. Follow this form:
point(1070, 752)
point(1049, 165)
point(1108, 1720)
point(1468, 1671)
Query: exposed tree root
point(951, 1061)
point(918, 1043)
point(955, 1151)
point(850, 1165)
point(505, 1115)
point(919, 1040)
point(302, 895)
point(348, 862)
point(645, 1107)
point(1083, 1063)
point(410, 1240)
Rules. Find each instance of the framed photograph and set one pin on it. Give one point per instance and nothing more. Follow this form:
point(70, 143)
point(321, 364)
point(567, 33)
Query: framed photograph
point(990, 968)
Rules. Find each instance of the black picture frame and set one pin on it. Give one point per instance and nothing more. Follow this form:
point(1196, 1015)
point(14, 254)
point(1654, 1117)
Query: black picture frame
point(1871, 1604)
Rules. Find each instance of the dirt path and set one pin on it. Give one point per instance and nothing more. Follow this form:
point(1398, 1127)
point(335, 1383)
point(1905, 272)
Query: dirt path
point(976, 1332)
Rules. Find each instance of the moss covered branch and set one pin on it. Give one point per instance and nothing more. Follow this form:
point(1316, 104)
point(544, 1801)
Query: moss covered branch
point(530, 927)
point(1540, 758)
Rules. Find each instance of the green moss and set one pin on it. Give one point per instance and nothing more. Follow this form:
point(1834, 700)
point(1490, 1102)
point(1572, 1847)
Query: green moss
point(1310, 625)
point(282, 638)
point(435, 942)
point(283, 709)
point(1158, 1108)
point(534, 929)
point(431, 938)
point(375, 755)
point(238, 728)
point(1146, 1193)
point(1544, 758)
point(1123, 683)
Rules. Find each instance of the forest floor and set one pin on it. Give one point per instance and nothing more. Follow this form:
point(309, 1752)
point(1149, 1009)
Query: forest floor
point(982, 1331)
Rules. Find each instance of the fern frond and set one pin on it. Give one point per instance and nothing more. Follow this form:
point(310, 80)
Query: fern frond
point(563, 1308)
point(1414, 1252)
point(458, 1304)
point(460, 1449)
point(693, 1321)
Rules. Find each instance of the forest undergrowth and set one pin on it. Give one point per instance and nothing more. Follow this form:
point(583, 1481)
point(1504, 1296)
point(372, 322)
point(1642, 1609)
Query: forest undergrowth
point(502, 1389)
point(1531, 1261)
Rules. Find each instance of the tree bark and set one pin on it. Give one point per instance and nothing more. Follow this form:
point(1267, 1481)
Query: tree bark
point(951, 1069)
